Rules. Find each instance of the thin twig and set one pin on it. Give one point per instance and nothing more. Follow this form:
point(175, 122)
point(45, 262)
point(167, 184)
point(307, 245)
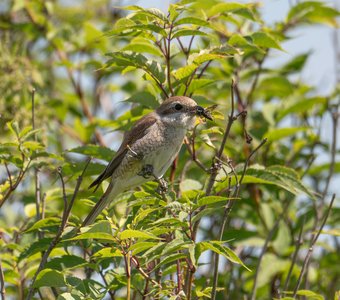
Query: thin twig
point(2, 283)
point(227, 211)
point(9, 176)
point(55, 241)
point(168, 60)
point(295, 255)
point(310, 250)
point(143, 273)
point(264, 249)
point(36, 171)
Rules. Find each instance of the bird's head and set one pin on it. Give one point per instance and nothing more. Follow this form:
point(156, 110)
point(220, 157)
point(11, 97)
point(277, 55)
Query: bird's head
point(181, 111)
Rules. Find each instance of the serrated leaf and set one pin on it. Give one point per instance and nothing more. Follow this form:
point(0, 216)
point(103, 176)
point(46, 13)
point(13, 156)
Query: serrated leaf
point(49, 277)
point(184, 71)
point(130, 233)
point(139, 61)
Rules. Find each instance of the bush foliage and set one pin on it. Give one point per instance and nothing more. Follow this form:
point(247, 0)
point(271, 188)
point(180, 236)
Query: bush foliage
point(247, 200)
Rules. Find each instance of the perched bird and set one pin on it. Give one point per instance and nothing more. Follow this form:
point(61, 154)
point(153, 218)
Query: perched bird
point(148, 149)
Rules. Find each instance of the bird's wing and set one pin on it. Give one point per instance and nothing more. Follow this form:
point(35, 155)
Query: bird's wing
point(138, 131)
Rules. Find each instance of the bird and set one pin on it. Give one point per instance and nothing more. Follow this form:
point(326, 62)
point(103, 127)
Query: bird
point(148, 149)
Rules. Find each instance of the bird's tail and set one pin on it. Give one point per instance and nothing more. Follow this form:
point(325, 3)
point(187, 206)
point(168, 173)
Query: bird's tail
point(105, 199)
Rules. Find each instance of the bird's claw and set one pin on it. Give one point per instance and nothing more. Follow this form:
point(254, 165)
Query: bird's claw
point(146, 171)
point(162, 186)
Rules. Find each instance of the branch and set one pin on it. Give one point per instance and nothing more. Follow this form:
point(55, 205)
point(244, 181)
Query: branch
point(264, 249)
point(2, 283)
point(310, 250)
point(168, 58)
point(65, 216)
point(298, 245)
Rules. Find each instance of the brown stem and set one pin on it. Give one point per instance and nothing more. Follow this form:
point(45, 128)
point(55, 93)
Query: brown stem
point(2, 283)
point(295, 255)
point(310, 250)
point(264, 249)
point(55, 241)
point(168, 61)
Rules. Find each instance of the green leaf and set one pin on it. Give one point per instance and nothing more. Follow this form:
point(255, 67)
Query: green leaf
point(129, 233)
point(14, 128)
point(276, 134)
point(94, 151)
point(211, 199)
point(187, 32)
point(66, 262)
point(152, 12)
point(299, 106)
point(222, 8)
point(138, 247)
point(310, 294)
point(108, 252)
point(315, 170)
point(38, 246)
point(219, 248)
point(139, 61)
point(93, 235)
point(44, 223)
point(281, 176)
point(296, 64)
point(184, 72)
point(191, 20)
point(32, 146)
point(275, 86)
point(313, 12)
point(49, 277)
point(190, 184)
point(143, 98)
point(263, 39)
point(334, 231)
point(141, 45)
point(68, 296)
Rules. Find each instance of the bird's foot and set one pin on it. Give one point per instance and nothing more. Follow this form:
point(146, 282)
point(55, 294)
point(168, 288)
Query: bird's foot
point(139, 156)
point(162, 186)
point(146, 171)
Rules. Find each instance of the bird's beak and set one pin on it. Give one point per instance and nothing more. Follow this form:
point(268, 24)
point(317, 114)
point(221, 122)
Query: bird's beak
point(202, 112)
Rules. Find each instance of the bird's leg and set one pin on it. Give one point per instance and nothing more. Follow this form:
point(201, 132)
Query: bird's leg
point(146, 171)
point(139, 156)
point(162, 185)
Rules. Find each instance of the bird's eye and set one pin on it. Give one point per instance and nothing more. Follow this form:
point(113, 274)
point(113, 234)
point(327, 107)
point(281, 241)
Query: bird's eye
point(178, 106)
